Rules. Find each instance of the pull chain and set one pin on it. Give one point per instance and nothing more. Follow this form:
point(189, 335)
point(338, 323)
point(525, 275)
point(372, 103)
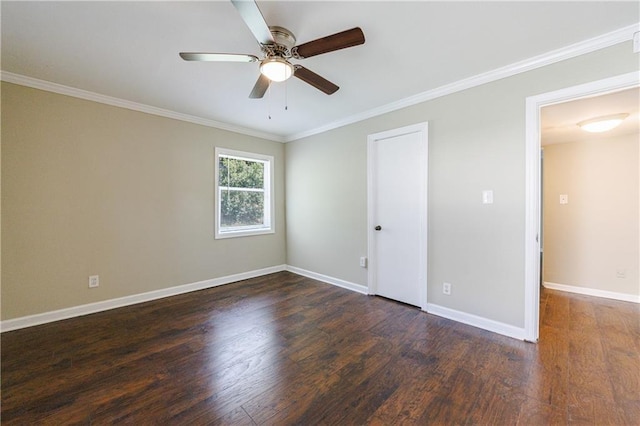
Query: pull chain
point(269, 102)
point(286, 99)
point(286, 96)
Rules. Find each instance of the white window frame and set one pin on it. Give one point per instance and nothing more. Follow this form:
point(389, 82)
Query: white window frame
point(243, 231)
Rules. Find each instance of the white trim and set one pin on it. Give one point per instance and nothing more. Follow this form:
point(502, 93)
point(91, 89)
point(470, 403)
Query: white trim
point(635, 298)
point(91, 308)
point(269, 226)
point(327, 279)
point(423, 130)
point(532, 183)
point(48, 86)
point(587, 46)
point(477, 321)
point(532, 221)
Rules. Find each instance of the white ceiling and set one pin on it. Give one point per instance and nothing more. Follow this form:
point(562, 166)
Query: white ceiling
point(129, 50)
point(559, 123)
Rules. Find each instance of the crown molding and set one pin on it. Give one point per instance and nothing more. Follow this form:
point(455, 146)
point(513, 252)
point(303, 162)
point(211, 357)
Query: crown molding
point(61, 89)
point(587, 46)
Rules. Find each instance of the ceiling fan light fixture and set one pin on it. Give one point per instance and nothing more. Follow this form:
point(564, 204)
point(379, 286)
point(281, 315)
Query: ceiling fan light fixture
point(602, 124)
point(276, 69)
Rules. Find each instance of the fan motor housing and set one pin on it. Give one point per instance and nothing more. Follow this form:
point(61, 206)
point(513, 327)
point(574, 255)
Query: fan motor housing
point(283, 36)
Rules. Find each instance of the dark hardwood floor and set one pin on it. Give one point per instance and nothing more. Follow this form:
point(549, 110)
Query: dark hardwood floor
point(283, 349)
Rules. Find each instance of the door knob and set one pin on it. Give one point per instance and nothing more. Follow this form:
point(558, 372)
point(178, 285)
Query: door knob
point(378, 228)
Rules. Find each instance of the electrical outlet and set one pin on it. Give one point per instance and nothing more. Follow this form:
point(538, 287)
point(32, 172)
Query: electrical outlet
point(363, 262)
point(446, 288)
point(621, 273)
point(94, 281)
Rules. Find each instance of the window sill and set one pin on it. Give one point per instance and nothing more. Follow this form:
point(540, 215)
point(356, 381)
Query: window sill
point(243, 233)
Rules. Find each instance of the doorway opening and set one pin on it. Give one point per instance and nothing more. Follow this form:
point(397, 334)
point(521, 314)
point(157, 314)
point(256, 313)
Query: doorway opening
point(589, 197)
point(533, 229)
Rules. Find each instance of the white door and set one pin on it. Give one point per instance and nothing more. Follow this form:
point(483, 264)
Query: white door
point(397, 190)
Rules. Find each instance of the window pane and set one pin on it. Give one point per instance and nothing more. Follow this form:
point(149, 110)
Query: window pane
point(241, 208)
point(244, 202)
point(238, 173)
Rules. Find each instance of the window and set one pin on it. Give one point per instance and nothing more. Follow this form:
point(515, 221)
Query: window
point(244, 202)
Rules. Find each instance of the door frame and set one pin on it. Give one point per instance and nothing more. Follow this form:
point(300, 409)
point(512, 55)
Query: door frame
point(423, 130)
point(533, 178)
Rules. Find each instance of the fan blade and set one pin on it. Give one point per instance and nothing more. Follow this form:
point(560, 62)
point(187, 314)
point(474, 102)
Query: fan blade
point(260, 88)
point(217, 57)
point(252, 16)
point(342, 40)
point(315, 80)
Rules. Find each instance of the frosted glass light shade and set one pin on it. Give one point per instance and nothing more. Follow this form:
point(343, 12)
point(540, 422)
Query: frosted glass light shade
point(276, 69)
point(602, 124)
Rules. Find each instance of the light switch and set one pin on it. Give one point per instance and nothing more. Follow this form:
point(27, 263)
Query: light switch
point(487, 197)
point(564, 199)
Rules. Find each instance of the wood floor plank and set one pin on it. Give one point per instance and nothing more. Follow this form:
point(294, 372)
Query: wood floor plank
point(284, 349)
point(287, 398)
point(497, 404)
point(548, 378)
point(557, 312)
point(454, 403)
point(587, 375)
point(623, 371)
point(596, 411)
point(205, 414)
point(406, 404)
point(535, 413)
point(582, 315)
point(619, 326)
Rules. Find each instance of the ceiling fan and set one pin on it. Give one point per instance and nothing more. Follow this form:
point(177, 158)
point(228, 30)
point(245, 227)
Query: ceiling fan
point(278, 46)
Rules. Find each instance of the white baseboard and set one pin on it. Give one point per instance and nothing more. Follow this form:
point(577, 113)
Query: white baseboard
point(91, 308)
point(477, 321)
point(441, 311)
point(329, 280)
point(76, 311)
point(635, 298)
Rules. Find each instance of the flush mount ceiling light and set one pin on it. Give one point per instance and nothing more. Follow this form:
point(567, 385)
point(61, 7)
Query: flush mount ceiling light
point(276, 68)
point(602, 124)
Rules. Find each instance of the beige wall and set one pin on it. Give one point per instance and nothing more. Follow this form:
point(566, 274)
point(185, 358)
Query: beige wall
point(94, 189)
point(476, 142)
point(596, 234)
